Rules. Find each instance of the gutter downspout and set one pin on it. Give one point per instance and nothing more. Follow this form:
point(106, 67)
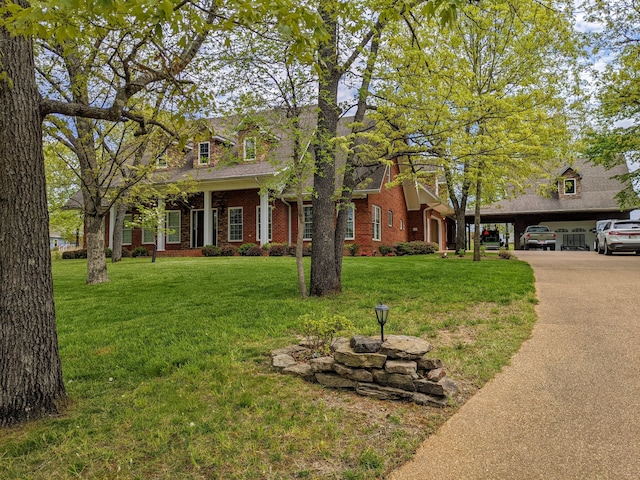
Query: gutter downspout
point(426, 225)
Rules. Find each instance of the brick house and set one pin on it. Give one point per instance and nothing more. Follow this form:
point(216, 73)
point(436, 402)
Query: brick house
point(230, 169)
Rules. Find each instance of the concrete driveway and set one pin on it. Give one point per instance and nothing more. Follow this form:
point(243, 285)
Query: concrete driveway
point(568, 406)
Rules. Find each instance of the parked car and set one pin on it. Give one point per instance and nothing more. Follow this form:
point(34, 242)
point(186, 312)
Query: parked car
point(599, 226)
point(619, 236)
point(538, 236)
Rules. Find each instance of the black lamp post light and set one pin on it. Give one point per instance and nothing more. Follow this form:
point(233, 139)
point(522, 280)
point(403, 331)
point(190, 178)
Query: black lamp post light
point(382, 313)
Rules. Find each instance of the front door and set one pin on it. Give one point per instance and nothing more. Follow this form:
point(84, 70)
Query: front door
point(197, 228)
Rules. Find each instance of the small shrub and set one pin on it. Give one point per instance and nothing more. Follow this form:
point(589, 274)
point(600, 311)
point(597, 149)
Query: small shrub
point(322, 332)
point(228, 251)
point(81, 253)
point(108, 252)
point(140, 252)
point(417, 247)
point(126, 253)
point(278, 250)
point(504, 253)
point(255, 251)
point(352, 248)
point(244, 248)
point(424, 248)
point(385, 250)
point(69, 255)
point(210, 251)
point(402, 248)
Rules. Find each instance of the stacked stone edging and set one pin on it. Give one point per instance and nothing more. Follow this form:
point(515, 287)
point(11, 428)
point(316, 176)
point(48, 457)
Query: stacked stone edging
point(397, 369)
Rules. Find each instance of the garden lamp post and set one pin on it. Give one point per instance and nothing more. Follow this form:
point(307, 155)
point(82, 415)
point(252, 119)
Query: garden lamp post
point(382, 313)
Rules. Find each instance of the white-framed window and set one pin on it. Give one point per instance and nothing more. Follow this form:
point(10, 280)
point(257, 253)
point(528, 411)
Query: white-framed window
point(351, 228)
point(249, 148)
point(401, 224)
point(258, 224)
point(376, 223)
point(126, 230)
point(389, 174)
point(204, 150)
point(173, 226)
point(235, 224)
point(308, 222)
point(161, 161)
point(390, 218)
point(149, 235)
point(570, 186)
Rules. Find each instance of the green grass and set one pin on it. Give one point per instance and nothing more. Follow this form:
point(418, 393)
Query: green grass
point(168, 372)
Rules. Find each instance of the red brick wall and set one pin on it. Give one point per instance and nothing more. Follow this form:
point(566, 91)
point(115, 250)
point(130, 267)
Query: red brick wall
point(389, 200)
point(284, 217)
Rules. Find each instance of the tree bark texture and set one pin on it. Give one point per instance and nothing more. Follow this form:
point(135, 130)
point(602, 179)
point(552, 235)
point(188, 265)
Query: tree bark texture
point(96, 260)
point(116, 250)
point(31, 384)
point(476, 220)
point(324, 277)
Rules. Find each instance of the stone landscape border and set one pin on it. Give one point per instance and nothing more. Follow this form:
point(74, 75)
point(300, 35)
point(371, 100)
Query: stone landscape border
point(396, 369)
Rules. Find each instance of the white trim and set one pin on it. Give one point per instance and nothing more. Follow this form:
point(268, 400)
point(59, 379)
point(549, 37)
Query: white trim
point(151, 231)
point(376, 220)
point(304, 209)
point(564, 186)
point(179, 227)
point(161, 239)
point(129, 228)
point(200, 162)
point(208, 219)
point(264, 229)
point(229, 224)
point(352, 209)
point(165, 161)
point(255, 149)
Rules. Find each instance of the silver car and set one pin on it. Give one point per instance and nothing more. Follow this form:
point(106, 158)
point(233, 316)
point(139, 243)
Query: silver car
point(619, 236)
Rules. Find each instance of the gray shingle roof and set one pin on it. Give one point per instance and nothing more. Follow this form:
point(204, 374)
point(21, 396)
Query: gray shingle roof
point(597, 195)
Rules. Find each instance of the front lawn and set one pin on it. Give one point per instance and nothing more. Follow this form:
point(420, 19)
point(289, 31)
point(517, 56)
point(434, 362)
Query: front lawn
point(167, 367)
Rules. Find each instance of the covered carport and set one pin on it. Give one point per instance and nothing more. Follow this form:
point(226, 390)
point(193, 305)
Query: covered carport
point(579, 196)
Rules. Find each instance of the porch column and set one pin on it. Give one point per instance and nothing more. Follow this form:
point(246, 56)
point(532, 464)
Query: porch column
point(427, 224)
point(161, 226)
point(264, 218)
point(208, 220)
point(112, 224)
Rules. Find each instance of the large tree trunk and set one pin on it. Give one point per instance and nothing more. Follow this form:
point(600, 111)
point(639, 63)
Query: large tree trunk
point(96, 260)
point(92, 178)
point(476, 220)
point(116, 248)
point(461, 234)
point(31, 384)
point(324, 276)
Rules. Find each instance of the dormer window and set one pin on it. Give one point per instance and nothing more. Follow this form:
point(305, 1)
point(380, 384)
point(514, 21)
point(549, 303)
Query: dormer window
point(249, 149)
point(570, 186)
point(203, 153)
point(161, 161)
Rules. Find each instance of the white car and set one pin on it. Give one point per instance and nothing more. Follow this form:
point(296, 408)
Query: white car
point(599, 226)
point(619, 236)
